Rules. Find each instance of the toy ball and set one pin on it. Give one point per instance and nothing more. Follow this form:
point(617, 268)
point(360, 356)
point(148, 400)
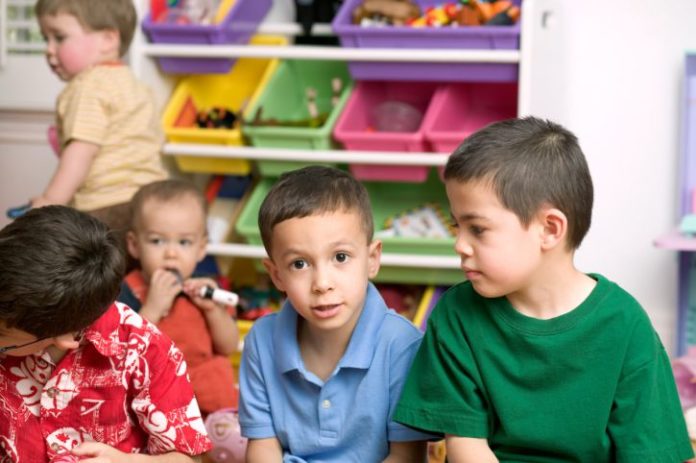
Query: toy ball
point(225, 433)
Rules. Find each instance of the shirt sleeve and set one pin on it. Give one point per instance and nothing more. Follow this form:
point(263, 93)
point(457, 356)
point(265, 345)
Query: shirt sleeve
point(86, 114)
point(400, 365)
point(163, 401)
point(646, 421)
point(255, 416)
point(442, 391)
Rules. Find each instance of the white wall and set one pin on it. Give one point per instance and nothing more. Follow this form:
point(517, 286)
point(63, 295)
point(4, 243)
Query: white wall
point(623, 77)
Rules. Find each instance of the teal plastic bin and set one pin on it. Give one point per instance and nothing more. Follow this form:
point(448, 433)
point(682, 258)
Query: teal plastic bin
point(284, 98)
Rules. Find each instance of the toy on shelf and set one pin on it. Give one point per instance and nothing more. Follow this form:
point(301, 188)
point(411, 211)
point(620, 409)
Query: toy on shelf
point(258, 300)
point(189, 11)
point(454, 14)
point(216, 118)
point(684, 369)
point(385, 12)
point(395, 116)
point(404, 299)
point(315, 119)
point(427, 221)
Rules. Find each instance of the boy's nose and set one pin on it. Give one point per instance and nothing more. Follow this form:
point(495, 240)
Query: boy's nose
point(170, 250)
point(322, 281)
point(462, 247)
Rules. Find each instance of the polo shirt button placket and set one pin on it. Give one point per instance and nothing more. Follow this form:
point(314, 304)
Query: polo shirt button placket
point(326, 404)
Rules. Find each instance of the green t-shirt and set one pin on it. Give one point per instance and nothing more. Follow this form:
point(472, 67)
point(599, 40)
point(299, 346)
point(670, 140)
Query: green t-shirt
point(593, 385)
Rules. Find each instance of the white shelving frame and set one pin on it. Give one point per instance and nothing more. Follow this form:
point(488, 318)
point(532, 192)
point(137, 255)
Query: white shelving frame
point(540, 94)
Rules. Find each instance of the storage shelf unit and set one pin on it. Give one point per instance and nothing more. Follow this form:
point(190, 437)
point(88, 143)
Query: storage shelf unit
point(540, 93)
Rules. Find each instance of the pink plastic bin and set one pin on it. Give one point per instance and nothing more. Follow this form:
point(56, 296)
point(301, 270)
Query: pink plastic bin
point(353, 128)
point(460, 109)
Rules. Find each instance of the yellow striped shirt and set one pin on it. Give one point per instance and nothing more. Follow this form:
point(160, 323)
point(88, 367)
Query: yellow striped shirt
point(107, 105)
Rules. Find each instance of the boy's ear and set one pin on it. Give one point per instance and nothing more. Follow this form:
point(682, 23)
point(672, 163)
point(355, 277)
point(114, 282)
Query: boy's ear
point(132, 244)
point(202, 248)
point(374, 258)
point(66, 341)
point(554, 227)
point(272, 270)
point(111, 42)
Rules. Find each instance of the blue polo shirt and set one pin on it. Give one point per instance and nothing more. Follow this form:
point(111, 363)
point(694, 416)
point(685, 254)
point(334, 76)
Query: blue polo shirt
point(348, 417)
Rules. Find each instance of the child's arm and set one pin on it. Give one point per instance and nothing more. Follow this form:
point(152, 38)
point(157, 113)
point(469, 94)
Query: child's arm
point(264, 451)
point(164, 286)
point(468, 450)
point(73, 166)
point(223, 329)
point(407, 452)
point(95, 452)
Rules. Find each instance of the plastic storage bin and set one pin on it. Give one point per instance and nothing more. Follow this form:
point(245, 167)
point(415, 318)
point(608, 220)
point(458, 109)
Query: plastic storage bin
point(235, 90)
point(355, 127)
point(464, 37)
point(284, 98)
point(458, 110)
point(388, 199)
point(237, 27)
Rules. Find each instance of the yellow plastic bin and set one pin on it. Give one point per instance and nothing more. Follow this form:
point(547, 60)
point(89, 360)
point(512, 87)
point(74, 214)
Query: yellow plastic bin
point(236, 90)
point(244, 328)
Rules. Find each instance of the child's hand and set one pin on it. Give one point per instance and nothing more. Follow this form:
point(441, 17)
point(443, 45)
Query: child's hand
point(223, 329)
point(192, 288)
point(164, 287)
point(95, 452)
point(41, 201)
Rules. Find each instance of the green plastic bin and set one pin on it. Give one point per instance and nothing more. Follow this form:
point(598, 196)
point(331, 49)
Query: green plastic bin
point(387, 200)
point(284, 99)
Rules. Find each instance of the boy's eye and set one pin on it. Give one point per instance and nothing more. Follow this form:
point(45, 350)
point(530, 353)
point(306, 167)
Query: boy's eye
point(156, 241)
point(298, 264)
point(476, 231)
point(341, 257)
point(185, 242)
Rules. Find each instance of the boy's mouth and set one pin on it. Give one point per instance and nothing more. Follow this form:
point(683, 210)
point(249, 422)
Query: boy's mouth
point(177, 274)
point(326, 311)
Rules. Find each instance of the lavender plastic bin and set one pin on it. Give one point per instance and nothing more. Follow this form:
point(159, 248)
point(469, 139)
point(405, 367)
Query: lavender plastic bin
point(464, 37)
point(354, 128)
point(238, 26)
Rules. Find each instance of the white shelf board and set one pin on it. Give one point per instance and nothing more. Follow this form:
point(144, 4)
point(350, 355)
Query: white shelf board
point(313, 52)
point(388, 259)
point(283, 154)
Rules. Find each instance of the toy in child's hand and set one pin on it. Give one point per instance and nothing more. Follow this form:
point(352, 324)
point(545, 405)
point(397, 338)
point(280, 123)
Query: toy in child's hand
point(218, 295)
point(14, 212)
point(225, 433)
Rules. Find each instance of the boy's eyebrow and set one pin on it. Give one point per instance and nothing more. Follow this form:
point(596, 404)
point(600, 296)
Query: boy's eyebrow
point(468, 216)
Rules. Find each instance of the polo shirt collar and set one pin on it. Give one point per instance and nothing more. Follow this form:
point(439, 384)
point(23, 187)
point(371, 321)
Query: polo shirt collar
point(362, 343)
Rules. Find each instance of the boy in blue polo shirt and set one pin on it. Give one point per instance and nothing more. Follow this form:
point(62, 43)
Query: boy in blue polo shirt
point(320, 379)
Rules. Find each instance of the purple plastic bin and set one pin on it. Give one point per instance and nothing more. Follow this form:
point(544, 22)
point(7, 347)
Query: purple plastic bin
point(238, 26)
point(463, 37)
point(354, 128)
point(460, 109)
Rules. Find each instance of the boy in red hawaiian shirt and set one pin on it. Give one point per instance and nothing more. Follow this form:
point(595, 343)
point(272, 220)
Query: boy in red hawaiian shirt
point(83, 378)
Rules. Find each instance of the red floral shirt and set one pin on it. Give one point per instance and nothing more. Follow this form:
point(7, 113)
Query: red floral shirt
point(126, 385)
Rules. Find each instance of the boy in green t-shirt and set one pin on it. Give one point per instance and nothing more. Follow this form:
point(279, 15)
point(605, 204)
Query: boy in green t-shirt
point(530, 359)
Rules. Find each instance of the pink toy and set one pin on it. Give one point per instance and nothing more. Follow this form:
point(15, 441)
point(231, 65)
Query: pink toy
point(685, 375)
point(52, 135)
point(223, 429)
